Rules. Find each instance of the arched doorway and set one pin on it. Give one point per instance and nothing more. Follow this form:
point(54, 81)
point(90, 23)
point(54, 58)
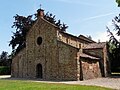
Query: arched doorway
point(39, 73)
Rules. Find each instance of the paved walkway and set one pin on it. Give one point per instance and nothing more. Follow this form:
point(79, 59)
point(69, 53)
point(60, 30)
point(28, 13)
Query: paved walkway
point(4, 76)
point(113, 83)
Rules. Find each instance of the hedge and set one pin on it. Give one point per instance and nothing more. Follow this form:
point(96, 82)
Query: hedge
point(5, 70)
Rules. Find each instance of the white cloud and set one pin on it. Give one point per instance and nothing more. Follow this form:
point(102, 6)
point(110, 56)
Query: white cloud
point(102, 36)
point(93, 17)
point(98, 16)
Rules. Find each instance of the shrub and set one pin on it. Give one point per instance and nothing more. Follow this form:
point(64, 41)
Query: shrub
point(5, 70)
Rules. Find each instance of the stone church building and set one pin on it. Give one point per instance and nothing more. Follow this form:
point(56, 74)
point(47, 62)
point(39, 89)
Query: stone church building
point(54, 55)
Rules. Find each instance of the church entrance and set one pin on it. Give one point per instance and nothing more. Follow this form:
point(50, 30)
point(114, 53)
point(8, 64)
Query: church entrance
point(39, 73)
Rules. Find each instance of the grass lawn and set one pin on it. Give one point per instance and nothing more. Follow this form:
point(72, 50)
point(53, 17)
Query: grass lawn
point(27, 85)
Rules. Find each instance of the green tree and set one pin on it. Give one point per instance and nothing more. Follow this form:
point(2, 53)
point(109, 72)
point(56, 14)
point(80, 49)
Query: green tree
point(22, 25)
point(114, 43)
point(4, 59)
point(118, 2)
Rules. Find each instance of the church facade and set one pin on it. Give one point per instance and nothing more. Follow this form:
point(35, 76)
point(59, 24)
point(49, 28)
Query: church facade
point(54, 55)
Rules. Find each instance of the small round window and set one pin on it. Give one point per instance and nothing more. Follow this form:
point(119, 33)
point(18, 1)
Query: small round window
point(39, 40)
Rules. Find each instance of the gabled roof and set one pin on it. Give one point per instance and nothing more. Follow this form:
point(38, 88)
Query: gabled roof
point(83, 55)
point(85, 38)
point(95, 45)
point(81, 37)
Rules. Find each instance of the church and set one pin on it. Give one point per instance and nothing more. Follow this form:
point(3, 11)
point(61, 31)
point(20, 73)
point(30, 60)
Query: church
point(51, 54)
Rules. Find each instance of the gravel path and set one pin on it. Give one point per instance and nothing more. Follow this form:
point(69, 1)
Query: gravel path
point(113, 83)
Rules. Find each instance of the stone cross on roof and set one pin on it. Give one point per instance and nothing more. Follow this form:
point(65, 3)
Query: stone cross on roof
point(40, 6)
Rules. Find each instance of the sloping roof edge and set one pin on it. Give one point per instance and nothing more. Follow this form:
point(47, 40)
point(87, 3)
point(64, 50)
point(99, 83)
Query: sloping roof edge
point(83, 55)
point(86, 39)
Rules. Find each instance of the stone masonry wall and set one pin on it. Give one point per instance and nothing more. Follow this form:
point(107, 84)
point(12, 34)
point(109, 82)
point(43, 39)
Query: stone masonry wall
point(45, 53)
point(71, 40)
point(67, 61)
point(101, 53)
point(106, 62)
point(19, 64)
point(94, 52)
point(58, 60)
point(90, 69)
point(57, 56)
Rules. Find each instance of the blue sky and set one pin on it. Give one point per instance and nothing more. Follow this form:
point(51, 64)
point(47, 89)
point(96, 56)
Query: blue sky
point(87, 17)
